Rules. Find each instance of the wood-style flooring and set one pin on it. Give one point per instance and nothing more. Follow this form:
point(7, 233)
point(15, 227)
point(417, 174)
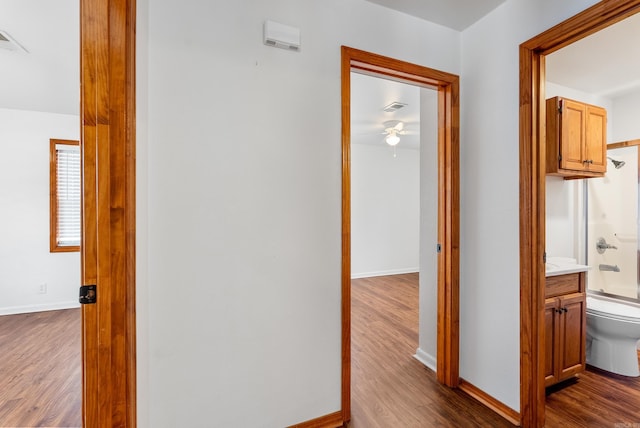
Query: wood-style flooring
point(391, 389)
point(40, 369)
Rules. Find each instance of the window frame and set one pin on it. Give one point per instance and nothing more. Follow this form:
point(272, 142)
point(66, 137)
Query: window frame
point(54, 247)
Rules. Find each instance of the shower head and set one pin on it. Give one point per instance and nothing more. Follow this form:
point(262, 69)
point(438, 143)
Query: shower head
point(616, 164)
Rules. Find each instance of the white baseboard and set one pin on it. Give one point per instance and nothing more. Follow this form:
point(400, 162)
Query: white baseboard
point(426, 359)
point(12, 310)
point(384, 273)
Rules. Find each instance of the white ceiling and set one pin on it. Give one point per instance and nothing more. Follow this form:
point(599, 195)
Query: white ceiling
point(456, 14)
point(606, 63)
point(47, 78)
point(368, 97)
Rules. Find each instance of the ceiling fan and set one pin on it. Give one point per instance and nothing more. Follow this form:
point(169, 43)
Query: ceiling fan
point(393, 129)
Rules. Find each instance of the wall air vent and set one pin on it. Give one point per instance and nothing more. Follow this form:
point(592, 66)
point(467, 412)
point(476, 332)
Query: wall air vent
point(281, 36)
point(394, 106)
point(9, 43)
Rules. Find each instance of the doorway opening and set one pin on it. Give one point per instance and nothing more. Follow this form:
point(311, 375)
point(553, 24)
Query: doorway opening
point(447, 87)
point(533, 191)
point(394, 189)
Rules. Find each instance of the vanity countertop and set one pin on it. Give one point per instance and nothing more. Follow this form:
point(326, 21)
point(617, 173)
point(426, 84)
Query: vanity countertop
point(563, 265)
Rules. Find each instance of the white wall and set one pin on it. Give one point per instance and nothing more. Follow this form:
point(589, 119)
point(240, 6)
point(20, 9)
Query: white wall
point(489, 286)
point(428, 332)
point(385, 210)
point(25, 260)
point(243, 204)
point(626, 110)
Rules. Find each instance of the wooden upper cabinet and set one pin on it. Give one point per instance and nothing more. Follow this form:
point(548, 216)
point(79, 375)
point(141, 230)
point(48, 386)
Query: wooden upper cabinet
point(576, 139)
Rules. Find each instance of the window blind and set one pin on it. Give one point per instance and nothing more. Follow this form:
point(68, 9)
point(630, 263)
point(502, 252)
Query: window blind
point(68, 190)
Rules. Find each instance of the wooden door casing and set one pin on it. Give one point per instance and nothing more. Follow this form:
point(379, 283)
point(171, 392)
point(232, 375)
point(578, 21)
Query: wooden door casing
point(532, 190)
point(448, 87)
point(107, 110)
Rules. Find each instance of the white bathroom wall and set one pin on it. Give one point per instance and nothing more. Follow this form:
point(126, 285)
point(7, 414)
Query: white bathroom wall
point(385, 210)
point(25, 260)
point(626, 110)
point(243, 199)
point(489, 285)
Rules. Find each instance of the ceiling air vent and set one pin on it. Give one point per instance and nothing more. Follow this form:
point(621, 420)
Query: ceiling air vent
point(394, 106)
point(9, 43)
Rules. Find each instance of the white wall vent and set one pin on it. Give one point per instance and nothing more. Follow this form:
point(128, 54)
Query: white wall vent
point(281, 36)
point(9, 43)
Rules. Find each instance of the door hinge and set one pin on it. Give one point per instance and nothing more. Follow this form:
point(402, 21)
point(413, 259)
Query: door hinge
point(544, 257)
point(439, 248)
point(560, 105)
point(88, 294)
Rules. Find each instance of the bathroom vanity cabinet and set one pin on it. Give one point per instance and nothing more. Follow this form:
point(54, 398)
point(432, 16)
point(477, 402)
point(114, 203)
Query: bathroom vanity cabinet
point(576, 135)
point(565, 326)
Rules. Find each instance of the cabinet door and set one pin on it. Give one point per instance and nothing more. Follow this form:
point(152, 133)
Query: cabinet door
point(572, 335)
point(572, 135)
point(596, 139)
point(551, 341)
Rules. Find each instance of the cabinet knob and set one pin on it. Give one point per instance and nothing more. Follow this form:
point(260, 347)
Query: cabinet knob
point(565, 310)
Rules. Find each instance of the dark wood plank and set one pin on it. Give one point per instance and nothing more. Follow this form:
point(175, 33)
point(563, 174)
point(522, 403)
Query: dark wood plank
point(40, 369)
point(389, 387)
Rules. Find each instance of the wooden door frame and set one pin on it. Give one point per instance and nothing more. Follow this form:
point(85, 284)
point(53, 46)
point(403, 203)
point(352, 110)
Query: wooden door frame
point(448, 88)
point(532, 191)
point(107, 116)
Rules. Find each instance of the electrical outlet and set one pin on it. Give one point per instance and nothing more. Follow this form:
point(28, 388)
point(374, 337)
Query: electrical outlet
point(42, 288)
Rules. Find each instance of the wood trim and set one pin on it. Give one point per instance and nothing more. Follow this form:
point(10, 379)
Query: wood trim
point(497, 406)
point(107, 62)
point(346, 234)
point(332, 420)
point(448, 211)
point(532, 191)
point(622, 144)
point(53, 198)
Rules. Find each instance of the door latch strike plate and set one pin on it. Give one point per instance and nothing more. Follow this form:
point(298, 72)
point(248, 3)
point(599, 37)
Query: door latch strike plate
point(88, 294)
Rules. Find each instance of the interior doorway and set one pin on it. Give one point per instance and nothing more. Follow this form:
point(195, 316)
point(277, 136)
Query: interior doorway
point(533, 187)
point(394, 189)
point(447, 87)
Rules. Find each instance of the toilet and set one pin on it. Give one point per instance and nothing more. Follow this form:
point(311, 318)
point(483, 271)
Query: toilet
point(613, 332)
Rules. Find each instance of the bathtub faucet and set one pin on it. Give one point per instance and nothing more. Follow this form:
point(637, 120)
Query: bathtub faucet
point(602, 246)
point(609, 268)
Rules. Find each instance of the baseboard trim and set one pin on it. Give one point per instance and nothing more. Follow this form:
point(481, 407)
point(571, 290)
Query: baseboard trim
point(27, 309)
point(500, 408)
point(384, 273)
point(426, 359)
point(333, 420)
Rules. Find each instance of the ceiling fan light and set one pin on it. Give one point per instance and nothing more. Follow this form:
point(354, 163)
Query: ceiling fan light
point(392, 139)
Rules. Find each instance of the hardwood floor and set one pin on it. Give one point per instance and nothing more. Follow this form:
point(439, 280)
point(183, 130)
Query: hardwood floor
point(389, 387)
point(594, 399)
point(40, 369)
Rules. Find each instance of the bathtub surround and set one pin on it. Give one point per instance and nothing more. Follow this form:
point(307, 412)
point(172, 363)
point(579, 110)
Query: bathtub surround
point(612, 213)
